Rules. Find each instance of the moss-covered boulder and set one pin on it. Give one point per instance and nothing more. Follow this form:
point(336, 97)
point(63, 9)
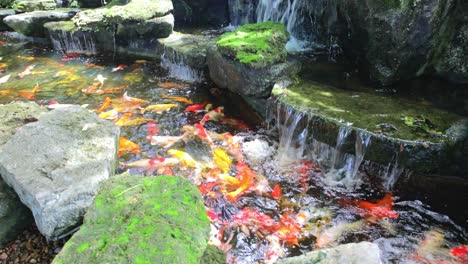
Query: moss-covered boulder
point(251, 59)
point(141, 220)
point(22, 6)
point(32, 23)
point(256, 45)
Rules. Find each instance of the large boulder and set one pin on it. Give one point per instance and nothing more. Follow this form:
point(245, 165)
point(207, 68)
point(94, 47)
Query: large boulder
point(159, 27)
point(32, 24)
point(363, 252)
point(251, 59)
point(56, 164)
point(142, 220)
point(4, 13)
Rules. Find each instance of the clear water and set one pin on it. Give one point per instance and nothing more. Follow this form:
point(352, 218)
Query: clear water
point(310, 212)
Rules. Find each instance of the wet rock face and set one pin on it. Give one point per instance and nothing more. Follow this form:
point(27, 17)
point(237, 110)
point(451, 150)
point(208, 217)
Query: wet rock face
point(32, 24)
point(4, 13)
point(137, 219)
point(33, 5)
point(201, 12)
point(56, 164)
point(363, 252)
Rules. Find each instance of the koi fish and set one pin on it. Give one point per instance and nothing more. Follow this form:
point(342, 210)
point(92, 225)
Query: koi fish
point(100, 79)
point(126, 145)
point(92, 65)
point(196, 108)
point(183, 157)
point(239, 124)
point(119, 67)
point(126, 120)
point(105, 104)
point(431, 249)
point(91, 89)
point(58, 64)
point(289, 229)
point(30, 95)
point(170, 85)
point(141, 61)
point(72, 55)
point(222, 160)
point(110, 115)
point(29, 58)
point(202, 133)
point(110, 90)
point(5, 79)
point(151, 129)
point(151, 165)
point(2, 43)
point(381, 209)
point(247, 181)
point(213, 115)
point(251, 217)
point(165, 141)
point(178, 99)
point(27, 71)
point(461, 253)
point(276, 193)
point(139, 69)
point(134, 100)
point(158, 108)
point(63, 73)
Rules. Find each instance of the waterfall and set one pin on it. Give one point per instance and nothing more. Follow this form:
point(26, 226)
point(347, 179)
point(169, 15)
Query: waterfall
point(177, 67)
point(391, 173)
point(73, 42)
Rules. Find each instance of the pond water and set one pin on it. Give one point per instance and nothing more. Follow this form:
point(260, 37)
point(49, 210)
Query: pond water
point(264, 199)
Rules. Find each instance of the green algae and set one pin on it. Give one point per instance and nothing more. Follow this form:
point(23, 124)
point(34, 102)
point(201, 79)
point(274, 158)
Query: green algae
point(256, 45)
point(141, 220)
point(369, 111)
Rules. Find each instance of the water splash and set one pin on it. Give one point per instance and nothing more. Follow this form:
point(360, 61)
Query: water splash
point(177, 67)
point(73, 42)
point(391, 174)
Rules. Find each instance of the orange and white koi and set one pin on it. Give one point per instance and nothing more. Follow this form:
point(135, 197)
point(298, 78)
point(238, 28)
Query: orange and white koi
point(119, 67)
point(196, 108)
point(213, 115)
point(27, 71)
point(165, 141)
point(184, 158)
point(152, 165)
point(126, 145)
point(178, 99)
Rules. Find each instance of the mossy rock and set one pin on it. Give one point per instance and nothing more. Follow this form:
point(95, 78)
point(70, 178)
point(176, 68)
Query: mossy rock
point(141, 220)
point(33, 5)
point(256, 45)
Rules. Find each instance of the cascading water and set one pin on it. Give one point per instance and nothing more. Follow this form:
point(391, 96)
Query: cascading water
point(177, 67)
point(73, 42)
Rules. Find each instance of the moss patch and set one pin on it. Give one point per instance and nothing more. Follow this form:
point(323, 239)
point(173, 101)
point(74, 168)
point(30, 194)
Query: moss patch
point(256, 45)
point(141, 220)
point(370, 111)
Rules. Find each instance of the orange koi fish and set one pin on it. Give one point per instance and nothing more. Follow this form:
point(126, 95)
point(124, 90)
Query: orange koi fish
point(247, 181)
point(105, 104)
point(196, 108)
point(276, 193)
point(178, 99)
point(239, 124)
point(72, 55)
point(126, 145)
point(119, 67)
point(117, 89)
point(170, 85)
point(134, 100)
point(158, 108)
point(126, 120)
point(92, 65)
point(202, 133)
point(110, 115)
point(289, 229)
point(30, 95)
point(214, 115)
point(461, 253)
point(251, 217)
point(379, 210)
point(91, 89)
point(27, 71)
point(184, 158)
point(139, 69)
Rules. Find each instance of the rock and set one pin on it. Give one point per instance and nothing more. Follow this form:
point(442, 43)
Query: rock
point(158, 27)
point(22, 6)
point(201, 12)
point(137, 219)
point(4, 13)
point(14, 216)
point(32, 24)
point(68, 152)
point(90, 3)
point(15, 115)
point(363, 252)
point(213, 255)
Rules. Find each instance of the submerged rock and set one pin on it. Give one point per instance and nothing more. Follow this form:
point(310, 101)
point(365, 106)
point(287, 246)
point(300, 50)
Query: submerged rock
point(56, 164)
point(142, 220)
point(251, 59)
point(32, 24)
point(363, 252)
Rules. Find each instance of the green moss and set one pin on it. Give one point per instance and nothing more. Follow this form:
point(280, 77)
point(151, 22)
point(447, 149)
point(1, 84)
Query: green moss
point(127, 227)
point(66, 26)
point(256, 45)
point(369, 111)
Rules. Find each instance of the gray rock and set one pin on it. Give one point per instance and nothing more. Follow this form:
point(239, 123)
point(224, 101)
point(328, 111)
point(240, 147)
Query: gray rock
point(354, 253)
point(32, 24)
point(4, 13)
point(56, 164)
point(137, 219)
point(14, 216)
point(22, 6)
point(244, 80)
point(90, 3)
point(158, 27)
point(201, 12)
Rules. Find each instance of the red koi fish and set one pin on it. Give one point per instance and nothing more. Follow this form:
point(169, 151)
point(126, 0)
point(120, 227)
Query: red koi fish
point(30, 95)
point(120, 67)
point(151, 129)
point(251, 217)
point(461, 253)
point(379, 210)
point(239, 124)
point(72, 55)
point(206, 187)
point(213, 115)
point(289, 229)
point(212, 215)
point(196, 108)
point(276, 193)
point(203, 134)
point(27, 71)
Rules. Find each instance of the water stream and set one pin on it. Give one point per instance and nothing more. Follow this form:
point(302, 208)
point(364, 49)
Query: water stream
point(285, 158)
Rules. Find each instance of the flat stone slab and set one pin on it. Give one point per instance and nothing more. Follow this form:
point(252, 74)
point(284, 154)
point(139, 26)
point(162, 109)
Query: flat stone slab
point(137, 219)
point(55, 165)
point(364, 252)
point(32, 23)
